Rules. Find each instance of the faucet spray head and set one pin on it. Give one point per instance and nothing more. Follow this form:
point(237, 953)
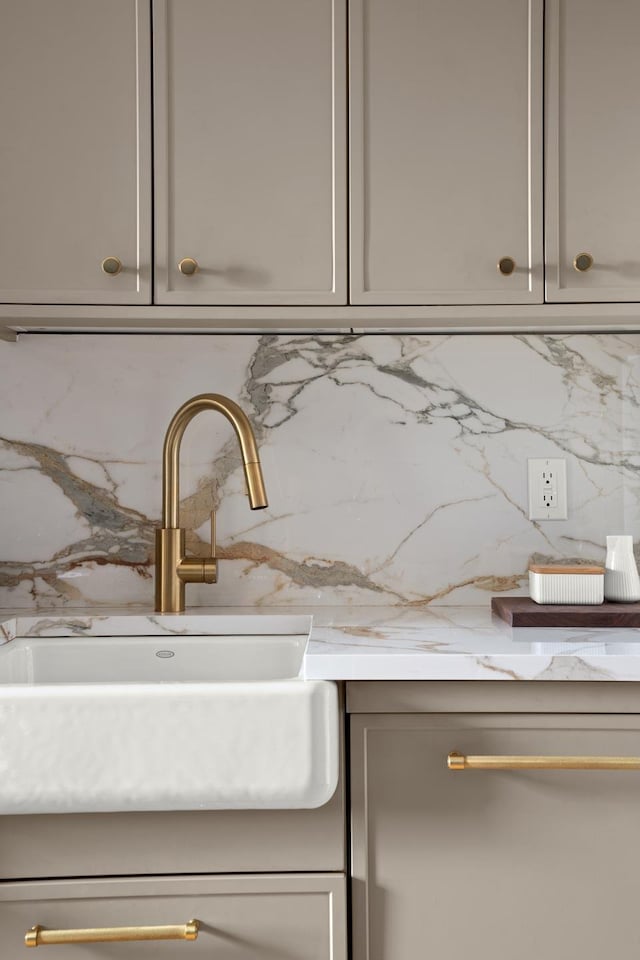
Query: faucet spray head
point(255, 485)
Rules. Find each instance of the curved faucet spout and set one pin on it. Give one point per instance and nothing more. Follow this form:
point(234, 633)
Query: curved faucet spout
point(171, 454)
point(173, 568)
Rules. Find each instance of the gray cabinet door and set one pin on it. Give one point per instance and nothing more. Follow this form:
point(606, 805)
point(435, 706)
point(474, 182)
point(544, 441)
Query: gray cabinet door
point(593, 150)
point(493, 864)
point(245, 918)
point(250, 151)
point(75, 122)
point(446, 151)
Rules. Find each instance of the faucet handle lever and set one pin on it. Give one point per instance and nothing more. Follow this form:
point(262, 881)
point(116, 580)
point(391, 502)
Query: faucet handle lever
point(213, 534)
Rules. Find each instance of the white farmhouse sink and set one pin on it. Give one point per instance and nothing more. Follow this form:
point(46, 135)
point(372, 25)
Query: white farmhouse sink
point(163, 713)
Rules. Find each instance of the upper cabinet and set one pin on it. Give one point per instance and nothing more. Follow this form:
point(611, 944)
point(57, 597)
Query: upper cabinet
point(593, 150)
point(427, 196)
point(250, 148)
point(75, 152)
point(446, 151)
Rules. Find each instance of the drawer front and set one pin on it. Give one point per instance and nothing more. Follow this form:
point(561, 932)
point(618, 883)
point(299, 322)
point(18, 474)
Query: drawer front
point(218, 841)
point(245, 918)
point(493, 863)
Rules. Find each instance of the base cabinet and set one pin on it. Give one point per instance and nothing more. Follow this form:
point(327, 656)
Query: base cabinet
point(493, 863)
point(263, 884)
point(290, 917)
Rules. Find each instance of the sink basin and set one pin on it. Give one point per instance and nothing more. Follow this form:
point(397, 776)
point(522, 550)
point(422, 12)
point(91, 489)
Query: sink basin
point(173, 712)
point(210, 659)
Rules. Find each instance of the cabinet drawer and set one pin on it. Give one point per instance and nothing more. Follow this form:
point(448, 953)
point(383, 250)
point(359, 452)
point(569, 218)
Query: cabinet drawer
point(218, 841)
point(504, 863)
point(244, 918)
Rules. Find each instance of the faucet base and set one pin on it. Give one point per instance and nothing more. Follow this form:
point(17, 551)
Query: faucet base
point(173, 570)
point(170, 549)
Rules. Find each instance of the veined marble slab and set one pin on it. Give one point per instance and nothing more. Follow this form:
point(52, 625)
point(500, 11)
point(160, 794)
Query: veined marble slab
point(393, 643)
point(462, 643)
point(395, 466)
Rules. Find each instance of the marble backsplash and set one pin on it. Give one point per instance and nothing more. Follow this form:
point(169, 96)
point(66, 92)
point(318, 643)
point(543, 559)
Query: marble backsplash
point(396, 466)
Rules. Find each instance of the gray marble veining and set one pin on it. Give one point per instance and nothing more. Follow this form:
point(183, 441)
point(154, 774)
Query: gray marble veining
point(395, 465)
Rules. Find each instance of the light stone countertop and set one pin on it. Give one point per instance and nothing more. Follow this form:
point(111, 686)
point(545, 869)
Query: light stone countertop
point(462, 643)
point(391, 643)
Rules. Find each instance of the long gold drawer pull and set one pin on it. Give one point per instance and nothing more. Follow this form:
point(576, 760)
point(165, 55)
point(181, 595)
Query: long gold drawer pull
point(457, 761)
point(40, 937)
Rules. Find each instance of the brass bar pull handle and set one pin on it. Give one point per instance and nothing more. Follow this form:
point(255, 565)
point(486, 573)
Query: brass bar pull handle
point(457, 761)
point(40, 937)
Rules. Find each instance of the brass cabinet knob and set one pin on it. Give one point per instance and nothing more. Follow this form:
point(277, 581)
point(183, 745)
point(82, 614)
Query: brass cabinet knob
point(111, 266)
point(188, 266)
point(506, 266)
point(583, 262)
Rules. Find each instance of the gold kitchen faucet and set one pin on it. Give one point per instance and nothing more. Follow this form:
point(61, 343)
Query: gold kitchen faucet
point(173, 568)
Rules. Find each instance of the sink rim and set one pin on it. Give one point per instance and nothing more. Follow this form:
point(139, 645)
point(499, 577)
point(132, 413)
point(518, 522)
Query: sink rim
point(210, 661)
point(211, 649)
point(147, 624)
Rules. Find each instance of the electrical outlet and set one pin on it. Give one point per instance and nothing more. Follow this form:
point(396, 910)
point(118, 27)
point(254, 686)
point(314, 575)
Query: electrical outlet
point(547, 489)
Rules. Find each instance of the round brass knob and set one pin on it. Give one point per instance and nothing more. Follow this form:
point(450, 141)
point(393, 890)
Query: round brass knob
point(583, 262)
point(111, 266)
point(188, 266)
point(506, 266)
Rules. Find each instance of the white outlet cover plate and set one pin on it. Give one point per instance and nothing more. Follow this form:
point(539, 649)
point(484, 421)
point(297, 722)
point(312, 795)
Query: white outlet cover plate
point(547, 475)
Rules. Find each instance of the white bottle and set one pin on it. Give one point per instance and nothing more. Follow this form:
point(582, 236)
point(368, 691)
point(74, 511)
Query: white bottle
point(621, 580)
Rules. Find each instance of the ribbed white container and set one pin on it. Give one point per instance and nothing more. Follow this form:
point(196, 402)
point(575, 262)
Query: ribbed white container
point(561, 587)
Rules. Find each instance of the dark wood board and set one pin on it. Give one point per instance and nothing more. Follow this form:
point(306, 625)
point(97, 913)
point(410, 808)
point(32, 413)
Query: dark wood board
point(525, 612)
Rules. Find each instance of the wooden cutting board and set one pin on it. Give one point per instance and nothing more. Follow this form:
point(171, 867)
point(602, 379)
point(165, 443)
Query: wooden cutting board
point(524, 612)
